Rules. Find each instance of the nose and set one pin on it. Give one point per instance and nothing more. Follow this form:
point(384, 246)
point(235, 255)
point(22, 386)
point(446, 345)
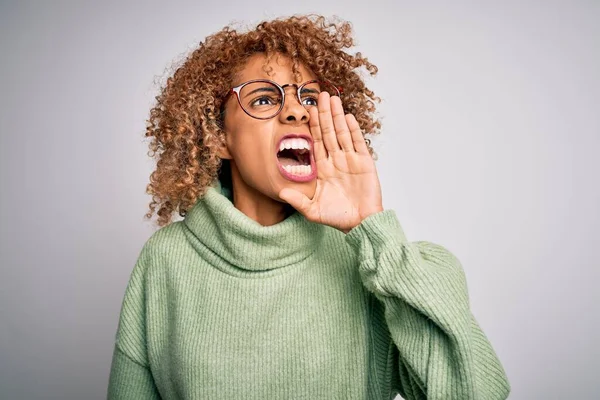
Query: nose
point(293, 110)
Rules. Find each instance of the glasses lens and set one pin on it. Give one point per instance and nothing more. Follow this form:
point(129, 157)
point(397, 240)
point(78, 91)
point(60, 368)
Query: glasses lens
point(310, 92)
point(261, 99)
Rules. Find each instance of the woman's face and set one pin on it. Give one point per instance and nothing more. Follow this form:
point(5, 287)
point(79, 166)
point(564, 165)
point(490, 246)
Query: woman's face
point(253, 144)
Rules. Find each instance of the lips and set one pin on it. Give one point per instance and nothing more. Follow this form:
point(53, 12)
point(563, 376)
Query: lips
point(297, 173)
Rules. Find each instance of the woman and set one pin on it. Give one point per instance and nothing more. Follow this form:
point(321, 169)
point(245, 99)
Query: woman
point(286, 278)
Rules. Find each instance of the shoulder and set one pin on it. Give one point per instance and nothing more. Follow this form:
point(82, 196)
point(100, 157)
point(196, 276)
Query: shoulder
point(159, 246)
point(164, 240)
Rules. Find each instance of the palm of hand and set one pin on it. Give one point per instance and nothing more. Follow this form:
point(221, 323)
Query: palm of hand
point(348, 188)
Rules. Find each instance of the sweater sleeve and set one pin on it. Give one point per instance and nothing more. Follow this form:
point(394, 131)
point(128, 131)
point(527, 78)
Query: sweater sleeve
point(442, 351)
point(130, 374)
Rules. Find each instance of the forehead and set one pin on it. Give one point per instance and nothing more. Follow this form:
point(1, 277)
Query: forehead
point(280, 69)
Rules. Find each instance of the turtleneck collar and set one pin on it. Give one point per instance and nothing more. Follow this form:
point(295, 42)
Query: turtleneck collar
point(243, 242)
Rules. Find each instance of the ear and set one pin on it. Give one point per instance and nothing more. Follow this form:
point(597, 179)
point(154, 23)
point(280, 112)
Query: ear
point(223, 151)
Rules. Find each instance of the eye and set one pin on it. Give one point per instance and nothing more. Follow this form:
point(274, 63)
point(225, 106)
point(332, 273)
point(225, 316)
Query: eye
point(309, 101)
point(264, 101)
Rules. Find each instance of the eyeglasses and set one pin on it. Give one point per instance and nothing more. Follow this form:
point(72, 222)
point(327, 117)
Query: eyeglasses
point(264, 99)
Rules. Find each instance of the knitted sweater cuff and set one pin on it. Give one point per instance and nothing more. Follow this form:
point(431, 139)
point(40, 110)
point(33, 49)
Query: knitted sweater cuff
point(375, 232)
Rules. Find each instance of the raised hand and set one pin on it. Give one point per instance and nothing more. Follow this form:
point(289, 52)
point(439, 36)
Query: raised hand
point(348, 188)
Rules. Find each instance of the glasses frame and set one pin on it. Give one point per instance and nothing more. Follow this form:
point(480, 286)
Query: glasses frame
point(237, 89)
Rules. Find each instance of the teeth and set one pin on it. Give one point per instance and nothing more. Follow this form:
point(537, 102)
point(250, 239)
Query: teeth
point(294, 144)
point(298, 169)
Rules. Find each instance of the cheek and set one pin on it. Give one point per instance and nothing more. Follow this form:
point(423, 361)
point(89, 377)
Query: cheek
point(254, 153)
point(252, 141)
point(252, 150)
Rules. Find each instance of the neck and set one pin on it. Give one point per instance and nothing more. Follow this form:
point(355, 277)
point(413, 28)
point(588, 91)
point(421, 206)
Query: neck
point(255, 204)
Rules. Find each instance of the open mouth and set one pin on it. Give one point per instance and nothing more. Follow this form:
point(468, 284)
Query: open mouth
point(294, 157)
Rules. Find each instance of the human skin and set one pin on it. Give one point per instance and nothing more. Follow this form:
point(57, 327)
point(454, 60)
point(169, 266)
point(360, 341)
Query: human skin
point(346, 189)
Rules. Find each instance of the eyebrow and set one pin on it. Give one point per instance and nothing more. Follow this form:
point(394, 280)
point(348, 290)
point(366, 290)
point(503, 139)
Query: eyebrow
point(307, 90)
point(269, 89)
point(262, 89)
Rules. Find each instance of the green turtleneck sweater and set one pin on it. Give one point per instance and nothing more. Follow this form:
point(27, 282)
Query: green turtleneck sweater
point(220, 307)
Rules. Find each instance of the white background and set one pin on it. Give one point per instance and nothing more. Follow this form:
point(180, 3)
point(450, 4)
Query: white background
point(489, 146)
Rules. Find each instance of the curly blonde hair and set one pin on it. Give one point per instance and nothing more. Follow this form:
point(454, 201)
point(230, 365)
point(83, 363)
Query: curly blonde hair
point(186, 123)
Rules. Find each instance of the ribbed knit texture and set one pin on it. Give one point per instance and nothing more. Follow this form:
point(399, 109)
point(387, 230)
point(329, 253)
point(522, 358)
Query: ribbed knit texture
point(220, 307)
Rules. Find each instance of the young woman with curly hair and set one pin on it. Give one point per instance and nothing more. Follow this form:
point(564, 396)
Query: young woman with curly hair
point(286, 277)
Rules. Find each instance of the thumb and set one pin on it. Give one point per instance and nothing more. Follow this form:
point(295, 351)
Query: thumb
point(296, 199)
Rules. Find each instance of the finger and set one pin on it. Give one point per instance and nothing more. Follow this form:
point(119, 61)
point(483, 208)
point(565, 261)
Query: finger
point(357, 137)
point(296, 199)
point(315, 130)
point(326, 123)
point(341, 126)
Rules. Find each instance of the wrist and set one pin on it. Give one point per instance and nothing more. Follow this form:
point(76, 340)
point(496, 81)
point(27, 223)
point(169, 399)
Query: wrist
point(370, 212)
